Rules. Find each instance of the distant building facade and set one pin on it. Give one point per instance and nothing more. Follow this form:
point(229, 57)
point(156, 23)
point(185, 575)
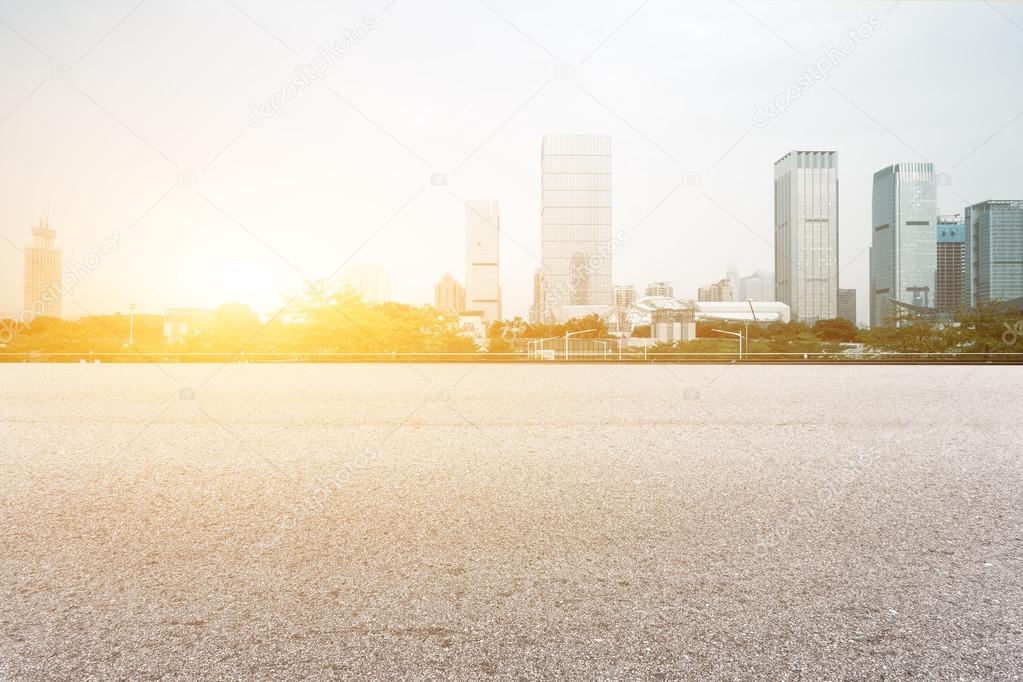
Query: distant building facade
point(180, 324)
point(950, 274)
point(575, 225)
point(482, 258)
point(371, 282)
point(42, 273)
point(449, 295)
point(620, 321)
point(659, 289)
point(847, 304)
point(672, 326)
point(717, 291)
point(732, 275)
point(625, 296)
point(536, 308)
point(806, 234)
point(994, 251)
point(758, 286)
point(903, 251)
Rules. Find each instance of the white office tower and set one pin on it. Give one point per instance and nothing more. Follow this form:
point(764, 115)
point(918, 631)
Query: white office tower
point(806, 234)
point(576, 226)
point(482, 246)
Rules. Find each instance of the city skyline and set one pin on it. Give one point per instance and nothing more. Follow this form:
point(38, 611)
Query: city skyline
point(288, 200)
point(907, 246)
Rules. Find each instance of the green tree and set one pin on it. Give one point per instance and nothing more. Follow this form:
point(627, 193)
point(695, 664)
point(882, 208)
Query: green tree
point(231, 329)
point(837, 329)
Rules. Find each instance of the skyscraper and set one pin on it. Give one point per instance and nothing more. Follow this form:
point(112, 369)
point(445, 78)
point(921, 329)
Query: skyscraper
point(42, 273)
point(847, 304)
point(950, 277)
point(371, 282)
point(449, 295)
point(994, 251)
point(903, 251)
point(576, 224)
point(806, 234)
point(482, 248)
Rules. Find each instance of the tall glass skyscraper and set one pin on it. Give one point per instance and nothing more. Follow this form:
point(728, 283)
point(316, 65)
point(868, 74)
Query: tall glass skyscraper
point(482, 249)
point(806, 234)
point(994, 251)
point(903, 251)
point(575, 225)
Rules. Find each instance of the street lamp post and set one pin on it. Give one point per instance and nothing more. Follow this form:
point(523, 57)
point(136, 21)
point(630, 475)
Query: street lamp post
point(538, 350)
point(131, 325)
point(568, 334)
point(754, 313)
point(739, 334)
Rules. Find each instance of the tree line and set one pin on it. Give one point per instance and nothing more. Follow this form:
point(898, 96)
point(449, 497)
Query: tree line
point(339, 321)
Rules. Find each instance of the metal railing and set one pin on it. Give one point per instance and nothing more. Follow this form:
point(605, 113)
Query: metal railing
point(602, 351)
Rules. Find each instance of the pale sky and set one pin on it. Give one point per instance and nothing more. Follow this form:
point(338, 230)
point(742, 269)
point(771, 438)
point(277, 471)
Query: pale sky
point(105, 105)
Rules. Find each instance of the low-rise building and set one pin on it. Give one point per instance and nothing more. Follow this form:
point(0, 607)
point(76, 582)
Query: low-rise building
point(179, 324)
point(672, 325)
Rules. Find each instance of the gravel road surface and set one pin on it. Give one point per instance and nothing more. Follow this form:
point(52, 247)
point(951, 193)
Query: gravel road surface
point(467, 522)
